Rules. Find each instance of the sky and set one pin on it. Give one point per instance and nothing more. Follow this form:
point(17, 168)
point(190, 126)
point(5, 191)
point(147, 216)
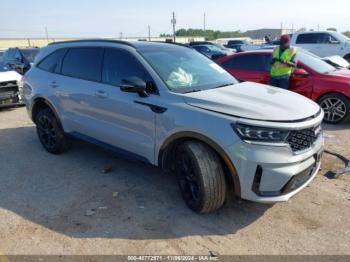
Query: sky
point(108, 18)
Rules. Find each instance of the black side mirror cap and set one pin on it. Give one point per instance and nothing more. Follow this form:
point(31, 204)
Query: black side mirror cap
point(134, 85)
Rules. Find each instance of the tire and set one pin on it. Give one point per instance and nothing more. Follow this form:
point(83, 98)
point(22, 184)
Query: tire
point(336, 108)
point(50, 133)
point(200, 176)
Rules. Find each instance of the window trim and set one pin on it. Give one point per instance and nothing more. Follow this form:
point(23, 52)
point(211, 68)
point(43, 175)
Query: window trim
point(156, 92)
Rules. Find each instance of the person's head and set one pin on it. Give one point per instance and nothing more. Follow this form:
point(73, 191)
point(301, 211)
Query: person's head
point(285, 41)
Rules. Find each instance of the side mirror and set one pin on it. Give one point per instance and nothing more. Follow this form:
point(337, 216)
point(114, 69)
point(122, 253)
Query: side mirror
point(333, 41)
point(134, 85)
point(300, 72)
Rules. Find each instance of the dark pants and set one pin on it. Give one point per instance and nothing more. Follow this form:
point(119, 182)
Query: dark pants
point(281, 82)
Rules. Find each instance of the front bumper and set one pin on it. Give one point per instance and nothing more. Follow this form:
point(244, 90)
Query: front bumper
point(10, 94)
point(270, 174)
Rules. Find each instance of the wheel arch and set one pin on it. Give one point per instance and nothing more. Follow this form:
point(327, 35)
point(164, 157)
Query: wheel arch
point(318, 99)
point(41, 103)
point(167, 150)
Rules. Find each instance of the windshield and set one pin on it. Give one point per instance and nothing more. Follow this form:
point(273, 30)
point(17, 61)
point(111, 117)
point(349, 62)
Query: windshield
point(315, 62)
point(340, 36)
point(30, 54)
point(185, 70)
point(4, 68)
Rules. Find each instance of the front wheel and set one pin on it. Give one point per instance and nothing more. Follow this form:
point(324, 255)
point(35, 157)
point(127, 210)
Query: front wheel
point(336, 108)
point(201, 177)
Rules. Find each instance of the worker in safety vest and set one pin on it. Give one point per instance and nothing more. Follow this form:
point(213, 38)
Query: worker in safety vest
point(283, 62)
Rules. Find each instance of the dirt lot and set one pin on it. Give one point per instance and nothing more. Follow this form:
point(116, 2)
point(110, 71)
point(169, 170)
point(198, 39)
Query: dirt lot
point(45, 200)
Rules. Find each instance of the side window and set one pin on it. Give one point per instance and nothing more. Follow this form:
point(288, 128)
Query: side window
point(307, 39)
point(52, 62)
point(326, 39)
point(84, 63)
point(246, 62)
point(119, 64)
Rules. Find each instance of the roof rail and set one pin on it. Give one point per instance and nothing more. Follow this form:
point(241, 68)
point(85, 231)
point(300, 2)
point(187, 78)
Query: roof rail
point(93, 40)
point(170, 43)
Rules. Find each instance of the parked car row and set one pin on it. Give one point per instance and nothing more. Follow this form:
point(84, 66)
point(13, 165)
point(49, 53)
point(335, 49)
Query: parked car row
point(14, 63)
point(172, 107)
point(314, 78)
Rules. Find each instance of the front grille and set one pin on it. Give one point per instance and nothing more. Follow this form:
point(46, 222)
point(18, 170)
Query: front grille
point(300, 140)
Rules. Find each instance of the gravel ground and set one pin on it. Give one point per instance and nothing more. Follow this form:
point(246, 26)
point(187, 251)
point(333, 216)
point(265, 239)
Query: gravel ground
point(66, 205)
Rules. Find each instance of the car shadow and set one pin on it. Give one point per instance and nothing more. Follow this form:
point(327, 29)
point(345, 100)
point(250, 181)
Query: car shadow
point(90, 193)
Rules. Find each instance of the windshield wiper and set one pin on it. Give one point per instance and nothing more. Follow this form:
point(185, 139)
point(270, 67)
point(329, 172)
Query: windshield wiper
point(192, 91)
point(223, 85)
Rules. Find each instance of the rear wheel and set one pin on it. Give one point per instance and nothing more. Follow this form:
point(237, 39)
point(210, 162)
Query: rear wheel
point(336, 108)
point(50, 132)
point(200, 176)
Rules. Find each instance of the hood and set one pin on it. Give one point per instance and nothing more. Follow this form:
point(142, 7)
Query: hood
point(344, 73)
point(254, 101)
point(9, 76)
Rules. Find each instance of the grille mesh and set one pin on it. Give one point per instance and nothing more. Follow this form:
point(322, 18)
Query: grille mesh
point(302, 139)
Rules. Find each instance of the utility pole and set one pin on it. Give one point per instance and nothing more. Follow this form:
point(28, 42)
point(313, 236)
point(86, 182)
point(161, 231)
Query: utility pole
point(173, 21)
point(149, 33)
point(204, 25)
point(47, 34)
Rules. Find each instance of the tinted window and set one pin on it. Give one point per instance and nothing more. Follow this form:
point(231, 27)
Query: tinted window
point(83, 63)
point(253, 62)
point(52, 62)
point(119, 65)
point(317, 38)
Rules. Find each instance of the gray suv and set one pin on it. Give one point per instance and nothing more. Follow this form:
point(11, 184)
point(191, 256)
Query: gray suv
point(172, 107)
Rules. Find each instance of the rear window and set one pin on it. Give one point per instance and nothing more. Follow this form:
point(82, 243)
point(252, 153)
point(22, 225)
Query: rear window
point(84, 63)
point(52, 62)
point(252, 62)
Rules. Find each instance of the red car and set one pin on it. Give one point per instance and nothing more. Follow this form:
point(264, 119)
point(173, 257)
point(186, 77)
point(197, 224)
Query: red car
point(314, 78)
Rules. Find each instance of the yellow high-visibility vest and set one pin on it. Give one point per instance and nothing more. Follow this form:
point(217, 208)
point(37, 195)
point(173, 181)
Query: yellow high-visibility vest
point(280, 69)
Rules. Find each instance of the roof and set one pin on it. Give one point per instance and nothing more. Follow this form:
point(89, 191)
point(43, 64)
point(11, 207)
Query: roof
point(136, 45)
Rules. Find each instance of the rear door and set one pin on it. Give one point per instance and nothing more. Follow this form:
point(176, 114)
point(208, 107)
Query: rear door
point(248, 67)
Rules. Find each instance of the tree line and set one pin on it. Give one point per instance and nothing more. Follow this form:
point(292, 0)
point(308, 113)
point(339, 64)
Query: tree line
point(215, 34)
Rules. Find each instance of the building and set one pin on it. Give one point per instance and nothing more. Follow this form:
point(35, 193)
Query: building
point(270, 32)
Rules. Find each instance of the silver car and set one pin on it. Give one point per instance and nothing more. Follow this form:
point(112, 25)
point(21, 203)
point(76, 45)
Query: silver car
point(168, 105)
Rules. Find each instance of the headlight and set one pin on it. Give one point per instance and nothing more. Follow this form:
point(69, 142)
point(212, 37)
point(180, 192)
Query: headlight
point(260, 134)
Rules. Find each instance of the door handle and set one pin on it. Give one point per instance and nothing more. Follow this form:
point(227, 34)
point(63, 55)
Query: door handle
point(101, 94)
point(53, 84)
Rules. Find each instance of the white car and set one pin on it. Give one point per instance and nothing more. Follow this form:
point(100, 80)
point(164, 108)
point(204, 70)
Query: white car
point(10, 91)
point(174, 108)
point(323, 43)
